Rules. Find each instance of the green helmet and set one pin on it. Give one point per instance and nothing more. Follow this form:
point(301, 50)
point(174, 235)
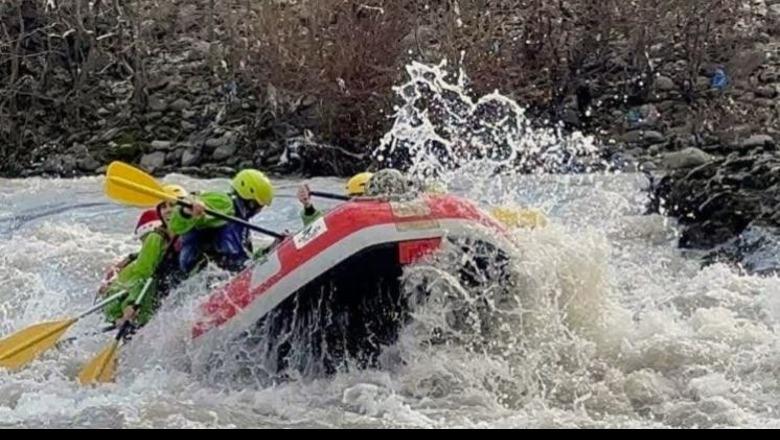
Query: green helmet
point(253, 185)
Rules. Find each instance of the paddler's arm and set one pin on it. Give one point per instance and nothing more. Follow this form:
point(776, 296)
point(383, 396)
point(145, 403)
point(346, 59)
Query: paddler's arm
point(133, 276)
point(309, 213)
point(144, 267)
point(182, 222)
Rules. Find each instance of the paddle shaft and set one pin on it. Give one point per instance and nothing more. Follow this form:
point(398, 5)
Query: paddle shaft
point(102, 304)
point(127, 325)
point(228, 218)
point(325, 195)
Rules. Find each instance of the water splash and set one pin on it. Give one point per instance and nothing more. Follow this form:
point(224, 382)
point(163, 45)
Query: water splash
point(440, 132)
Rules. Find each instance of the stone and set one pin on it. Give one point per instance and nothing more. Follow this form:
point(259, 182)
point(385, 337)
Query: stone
point(686, 158)
point(215, 142)
point(190, 157)
point(153, 161)
point(571, 117)
point(225, 151)
point(766, 92)
point(157, 103)
point(647, 167)
point(645, 137)
point(87, 163)
point(757, 140)
point(174, 156)
point(664, 83)
point(161, 145)
point(180, 105)
point(61, 164)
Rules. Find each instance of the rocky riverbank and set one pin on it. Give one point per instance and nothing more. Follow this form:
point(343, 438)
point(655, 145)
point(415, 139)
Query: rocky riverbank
point(178, 87)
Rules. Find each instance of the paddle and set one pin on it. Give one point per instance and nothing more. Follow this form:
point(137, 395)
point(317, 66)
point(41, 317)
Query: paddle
point(325, 195)
point(131, 186)
point(102, 368)
point(25, 345)
point(515, 218)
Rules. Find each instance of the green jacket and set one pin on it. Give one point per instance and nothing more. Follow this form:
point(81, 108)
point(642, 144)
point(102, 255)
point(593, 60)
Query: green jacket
point(181, 224)
point(133, 277)
point(310, 214)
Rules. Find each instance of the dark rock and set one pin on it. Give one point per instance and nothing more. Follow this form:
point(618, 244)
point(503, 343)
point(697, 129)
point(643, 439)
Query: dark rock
point(60, 164)
point(161, 145)
point(78, 150)
point(68, 164)
point(190, 157)
point(644, 137)
point(717, 200)
point(687, 158)
point(215, 142)
point(770, 76)
point(664, 83)
point(180, 104)
point(87, 163)
point(158, 83)
point(225, 151)
point(124, 152)
point(647, 167)
point(109, 134)
point(157, 104)
point(763, 102)
point(570, 116)
point(766, 92)
point(174, 156)
point(646, 116)
point(756, 250)
point(757, 140)
point(665, 106)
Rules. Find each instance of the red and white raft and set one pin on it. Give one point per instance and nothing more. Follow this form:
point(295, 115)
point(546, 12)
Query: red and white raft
point(332, 291)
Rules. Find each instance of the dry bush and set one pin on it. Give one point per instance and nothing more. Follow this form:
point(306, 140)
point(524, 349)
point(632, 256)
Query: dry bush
point(344, 56)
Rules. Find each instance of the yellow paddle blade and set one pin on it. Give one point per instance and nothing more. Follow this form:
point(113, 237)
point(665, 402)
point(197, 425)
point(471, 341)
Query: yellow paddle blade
point(25, 345)
point(131, 186)
point(519, 218)
point(102, 368)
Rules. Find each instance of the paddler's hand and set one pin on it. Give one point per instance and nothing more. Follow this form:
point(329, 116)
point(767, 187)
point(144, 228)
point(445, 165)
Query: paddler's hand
point(129, 314)
point(198, 210)
point(304, 196)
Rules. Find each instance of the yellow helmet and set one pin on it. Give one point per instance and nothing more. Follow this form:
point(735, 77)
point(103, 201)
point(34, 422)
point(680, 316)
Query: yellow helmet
point(175, 190)
point(253, 185)
point(356, 186)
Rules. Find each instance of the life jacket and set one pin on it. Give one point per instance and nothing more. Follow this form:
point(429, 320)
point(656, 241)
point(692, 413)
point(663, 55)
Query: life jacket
point(228, 246)
point(168, 273)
